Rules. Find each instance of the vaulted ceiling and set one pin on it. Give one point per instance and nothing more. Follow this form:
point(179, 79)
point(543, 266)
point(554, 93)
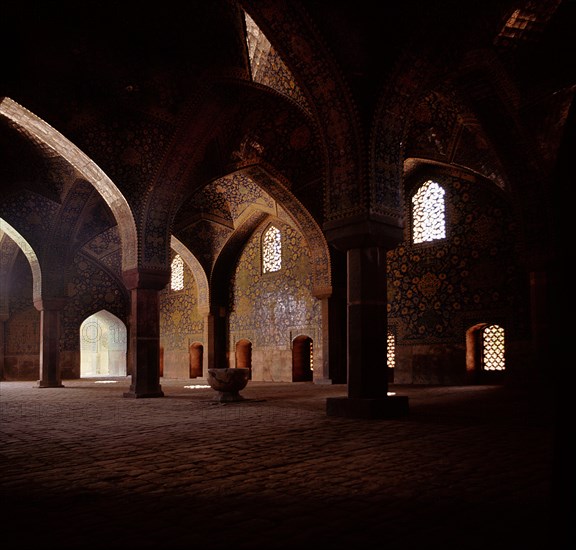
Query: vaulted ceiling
point(161, 96)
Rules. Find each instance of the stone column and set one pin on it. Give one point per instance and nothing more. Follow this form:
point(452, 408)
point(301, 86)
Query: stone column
point(367, 373)
point(144, 332)
point(215, 334)
point(219, 339)
point(321, 373)
point(50, 309)
point(210, 340)
point(367, 323)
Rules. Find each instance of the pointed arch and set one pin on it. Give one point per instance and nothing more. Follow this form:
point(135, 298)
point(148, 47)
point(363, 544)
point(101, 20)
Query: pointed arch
point(273, 184)
point(103, 345)
point(196, 360)
point(27, 250)
point(302, 358)
point(330, 100)
point(243, 355)
point(41, 132)
point(226, 260)
point(197, 272)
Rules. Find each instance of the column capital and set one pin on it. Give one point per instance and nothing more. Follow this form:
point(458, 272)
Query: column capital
point(364, 231)
point(322, 292)
point(153, 279)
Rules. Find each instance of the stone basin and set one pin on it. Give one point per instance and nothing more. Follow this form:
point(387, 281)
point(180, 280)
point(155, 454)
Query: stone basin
point(228, 382)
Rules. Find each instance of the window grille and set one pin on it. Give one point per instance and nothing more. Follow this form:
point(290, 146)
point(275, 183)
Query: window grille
point(272, 250)
point(177, 273)
point(391, 351)
point(311, 355)
point(493, 348)
point(428, 213)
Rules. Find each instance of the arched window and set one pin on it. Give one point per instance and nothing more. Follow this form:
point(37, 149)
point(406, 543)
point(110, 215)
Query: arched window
point(177, 275)
point(272, 250)
point(493, 348)
point(428, 213)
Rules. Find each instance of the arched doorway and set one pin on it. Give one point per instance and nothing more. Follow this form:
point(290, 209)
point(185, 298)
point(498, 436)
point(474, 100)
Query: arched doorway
point(196, 352)
point(302, 359)
point(102, 346)
point(244, 355)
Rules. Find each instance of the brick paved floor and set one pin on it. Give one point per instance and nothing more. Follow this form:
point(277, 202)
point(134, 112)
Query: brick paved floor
point(469, 468)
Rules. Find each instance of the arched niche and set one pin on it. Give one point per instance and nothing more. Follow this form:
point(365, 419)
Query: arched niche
point(103, 346)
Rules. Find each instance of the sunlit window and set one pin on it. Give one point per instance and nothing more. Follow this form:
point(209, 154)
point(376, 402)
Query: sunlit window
point(391, 351)
point(527, 23)
point(428, 213)
point(258, 46)
point(493, 348)
point(272, 250)
point(267, 67)
point(177, 274)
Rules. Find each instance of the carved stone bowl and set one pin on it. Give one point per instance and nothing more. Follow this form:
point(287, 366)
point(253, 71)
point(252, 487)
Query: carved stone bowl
point(228, 382)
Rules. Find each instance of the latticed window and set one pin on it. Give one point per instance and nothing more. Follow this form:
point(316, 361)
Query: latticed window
point(272, 250)
point(391, 351)
point(493, 348)
point(428, 213)
point(177, 273)
point(311, 355)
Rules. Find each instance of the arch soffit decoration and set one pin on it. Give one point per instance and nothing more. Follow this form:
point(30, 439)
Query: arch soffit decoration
point(390, 127)
point(321, 264)
point(417, 170)
point(165, 193)
point(335, 115)
point(28, 251)
point(445, 134)
point(228, 255)
point(518, 153)
point(169, 188)
point(36, 129)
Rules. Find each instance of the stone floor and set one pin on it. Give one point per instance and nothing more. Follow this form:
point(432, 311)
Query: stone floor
point(83, 467)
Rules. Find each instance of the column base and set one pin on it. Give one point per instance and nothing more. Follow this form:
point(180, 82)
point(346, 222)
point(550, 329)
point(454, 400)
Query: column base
point(394, 406)
point(45, 384)
point(135, 395)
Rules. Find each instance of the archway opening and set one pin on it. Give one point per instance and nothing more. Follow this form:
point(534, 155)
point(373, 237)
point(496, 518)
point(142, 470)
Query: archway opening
point(196, 353)
point(244, 355)
point(302, 359)
point(102, 346)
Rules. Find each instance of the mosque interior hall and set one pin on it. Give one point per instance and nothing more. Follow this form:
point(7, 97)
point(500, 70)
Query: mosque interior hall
point(298, 241)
